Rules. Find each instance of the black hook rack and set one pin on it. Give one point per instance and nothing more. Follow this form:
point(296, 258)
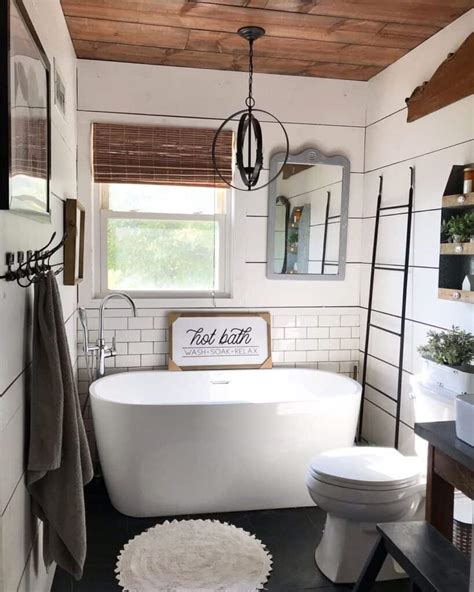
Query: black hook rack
point(32, 266)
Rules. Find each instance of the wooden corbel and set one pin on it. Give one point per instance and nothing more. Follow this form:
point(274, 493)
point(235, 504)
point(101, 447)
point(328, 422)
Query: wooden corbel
point(452, 81)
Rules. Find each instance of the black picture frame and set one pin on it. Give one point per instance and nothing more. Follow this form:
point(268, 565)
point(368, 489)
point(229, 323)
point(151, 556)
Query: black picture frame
point(29, 195)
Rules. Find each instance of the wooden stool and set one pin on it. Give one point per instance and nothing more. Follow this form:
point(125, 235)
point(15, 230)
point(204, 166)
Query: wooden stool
point(432, 563)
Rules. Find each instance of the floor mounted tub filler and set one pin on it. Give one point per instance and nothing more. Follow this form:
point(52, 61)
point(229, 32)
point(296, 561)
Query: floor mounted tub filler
point(173, 443)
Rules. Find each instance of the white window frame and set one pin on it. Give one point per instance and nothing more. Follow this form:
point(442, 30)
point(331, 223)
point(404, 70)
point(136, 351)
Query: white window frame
point(223, 249)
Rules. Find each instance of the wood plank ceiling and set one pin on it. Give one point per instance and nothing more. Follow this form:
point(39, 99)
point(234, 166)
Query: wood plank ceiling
point(348, 39)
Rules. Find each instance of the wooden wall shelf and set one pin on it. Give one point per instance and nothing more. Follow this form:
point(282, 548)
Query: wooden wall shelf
point(456, 260)
point(457, 249)
point(456, 295)
point(459, 200)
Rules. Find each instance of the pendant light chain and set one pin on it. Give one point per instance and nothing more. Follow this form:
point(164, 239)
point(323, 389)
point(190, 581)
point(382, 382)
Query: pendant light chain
point(250, 101)
point(249, 137)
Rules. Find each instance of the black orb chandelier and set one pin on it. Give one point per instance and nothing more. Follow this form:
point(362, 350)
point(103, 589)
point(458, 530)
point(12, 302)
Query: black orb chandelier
point(249, 144)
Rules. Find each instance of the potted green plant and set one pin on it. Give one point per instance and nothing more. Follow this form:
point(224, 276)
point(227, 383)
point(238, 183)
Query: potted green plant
point(460, 228)
point(447, 358)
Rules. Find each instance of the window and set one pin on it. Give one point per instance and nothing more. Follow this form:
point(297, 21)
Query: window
point(164, 216)
point(172, 240)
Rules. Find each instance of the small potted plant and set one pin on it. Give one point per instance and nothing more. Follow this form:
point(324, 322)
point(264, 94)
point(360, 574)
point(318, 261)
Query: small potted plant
point(447, 359)
point(459, 229)
point(455, 229)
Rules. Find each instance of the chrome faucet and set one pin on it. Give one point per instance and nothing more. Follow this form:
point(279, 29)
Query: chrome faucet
point(101, 350)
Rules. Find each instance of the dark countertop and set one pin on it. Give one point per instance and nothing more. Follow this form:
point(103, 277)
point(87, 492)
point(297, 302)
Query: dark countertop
point(442, 435)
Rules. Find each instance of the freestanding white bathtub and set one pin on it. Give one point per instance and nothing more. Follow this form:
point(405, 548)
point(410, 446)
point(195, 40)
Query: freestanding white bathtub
point(175, 443)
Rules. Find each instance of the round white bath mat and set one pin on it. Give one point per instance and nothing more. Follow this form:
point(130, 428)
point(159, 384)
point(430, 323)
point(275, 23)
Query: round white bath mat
point(191, 556)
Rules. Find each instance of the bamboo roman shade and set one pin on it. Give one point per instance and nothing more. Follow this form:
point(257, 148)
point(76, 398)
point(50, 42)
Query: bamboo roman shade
point(160, 155)
point(30, 150)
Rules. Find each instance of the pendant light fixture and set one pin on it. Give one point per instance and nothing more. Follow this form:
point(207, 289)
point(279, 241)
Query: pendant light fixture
point(249, 144)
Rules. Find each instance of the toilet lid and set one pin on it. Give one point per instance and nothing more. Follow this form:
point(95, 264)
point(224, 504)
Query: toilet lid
point(366, 467)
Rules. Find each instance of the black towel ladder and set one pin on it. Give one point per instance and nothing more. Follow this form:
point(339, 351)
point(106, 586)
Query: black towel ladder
point(404, 269)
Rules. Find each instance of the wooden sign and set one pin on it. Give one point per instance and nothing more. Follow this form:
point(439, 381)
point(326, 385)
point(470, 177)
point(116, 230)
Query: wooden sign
point(219, 340)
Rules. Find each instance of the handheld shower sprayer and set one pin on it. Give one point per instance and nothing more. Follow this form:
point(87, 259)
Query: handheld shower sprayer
point(85, 344)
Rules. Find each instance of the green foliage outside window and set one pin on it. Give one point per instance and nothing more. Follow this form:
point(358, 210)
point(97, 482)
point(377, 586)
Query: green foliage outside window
point(169, 255)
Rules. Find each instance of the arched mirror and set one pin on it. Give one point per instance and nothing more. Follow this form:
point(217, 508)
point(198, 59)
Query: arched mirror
point(308, 208)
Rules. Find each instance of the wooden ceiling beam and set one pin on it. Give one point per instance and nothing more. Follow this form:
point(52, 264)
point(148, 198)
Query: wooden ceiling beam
point(219, 18)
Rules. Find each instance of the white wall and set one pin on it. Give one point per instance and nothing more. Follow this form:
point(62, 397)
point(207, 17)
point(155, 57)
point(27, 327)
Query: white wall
point(432, 145)
point(21, 565)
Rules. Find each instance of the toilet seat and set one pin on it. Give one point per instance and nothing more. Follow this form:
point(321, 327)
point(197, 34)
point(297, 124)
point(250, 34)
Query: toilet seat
point(366, 484)
point(365, 468)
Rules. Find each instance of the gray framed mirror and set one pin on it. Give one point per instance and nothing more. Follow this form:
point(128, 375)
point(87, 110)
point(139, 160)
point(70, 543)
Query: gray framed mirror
point(308, 208)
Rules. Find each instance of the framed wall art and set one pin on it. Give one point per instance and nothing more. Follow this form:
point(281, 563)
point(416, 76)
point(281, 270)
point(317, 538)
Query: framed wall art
point(25, 117)
point(74, 227)
point(220, 340)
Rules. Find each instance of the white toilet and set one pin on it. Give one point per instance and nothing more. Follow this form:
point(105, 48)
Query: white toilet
point(361, 486)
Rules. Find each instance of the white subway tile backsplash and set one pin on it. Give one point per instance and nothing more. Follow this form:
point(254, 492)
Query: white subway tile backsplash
point(350, 320)
point(339, 332)
point(128, 335)
point(317, 356)
point(284, 321)
point(295, 333)
point(348, 367)
point(127, 361)
point(339, 355)
point(278, 333)
point(306, 344)
point(121, 347)
point(318, 333)
point(283, 344)
point(278, 357)
point(295, 356)
point(113, 323)
point(141, 347)
point(328, 366)
point(140, 323)
point(329, 321)
point(153, 335)
point(160, 322)
point(155, 360)
point(349, 343)
point(329, 343)
point(307, 321)
point(160, 347)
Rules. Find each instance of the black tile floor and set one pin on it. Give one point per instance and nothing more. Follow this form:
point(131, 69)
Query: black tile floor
point(290, 535)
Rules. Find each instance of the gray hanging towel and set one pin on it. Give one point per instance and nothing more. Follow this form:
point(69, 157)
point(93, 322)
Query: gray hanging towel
point(59, 462)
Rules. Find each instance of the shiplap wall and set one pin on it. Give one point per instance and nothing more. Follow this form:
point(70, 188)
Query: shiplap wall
point(432, 145)
point(21, 564)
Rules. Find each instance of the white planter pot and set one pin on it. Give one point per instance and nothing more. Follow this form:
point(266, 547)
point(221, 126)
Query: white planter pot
point(447, 377)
